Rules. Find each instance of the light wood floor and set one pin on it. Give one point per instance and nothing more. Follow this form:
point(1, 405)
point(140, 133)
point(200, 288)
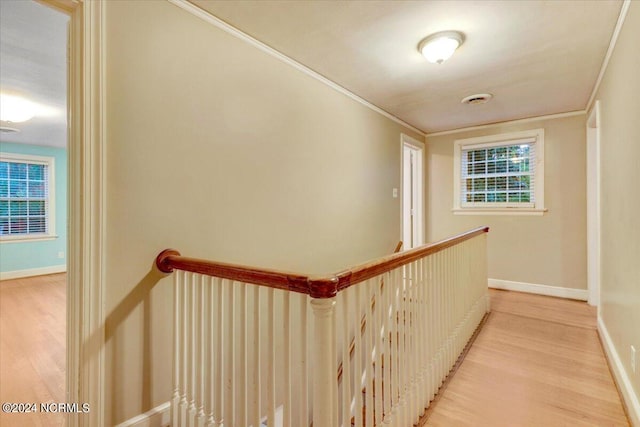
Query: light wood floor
point(32, 346)
point(537, 362)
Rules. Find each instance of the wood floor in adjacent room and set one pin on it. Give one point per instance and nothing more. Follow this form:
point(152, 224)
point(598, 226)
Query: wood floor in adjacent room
point(537, 362)
point(32, 346)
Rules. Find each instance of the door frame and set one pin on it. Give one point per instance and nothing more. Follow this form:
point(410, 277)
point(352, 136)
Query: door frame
point(593, 206)
point(416, 146)
point(85, 367)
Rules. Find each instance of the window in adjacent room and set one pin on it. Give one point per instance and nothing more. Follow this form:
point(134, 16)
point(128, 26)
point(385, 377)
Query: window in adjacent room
point(500, 174)
point(26, 197)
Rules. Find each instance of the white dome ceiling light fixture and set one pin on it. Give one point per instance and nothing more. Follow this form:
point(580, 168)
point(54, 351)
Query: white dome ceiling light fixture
point(478, 98)
point(439, 47)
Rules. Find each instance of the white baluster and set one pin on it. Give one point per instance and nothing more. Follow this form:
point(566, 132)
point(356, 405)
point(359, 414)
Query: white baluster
point(414, 353)
point(271, 360)
point(458, 300)
point(376, 329)
point(303, 374)
point(200, 368)
point(177, 346)
point(193, 354)
point(209, 351)
point(423, 334)
point(357, 358)
point(229, 354)
point(208, 343)
point(256, 355)
point(446, 310)
point(324, 381)
point(404, 356)
point(287, 359)
point(388, 354)
point(442, 316)
point(450, 301)
point(485, 272)
point(241, 386)
point(184, 346)
point(346, 359)
point(431, 326)
point(218, 349)
point(368, 347)
point(455, 302)
point(409, 356)
point(394, 333)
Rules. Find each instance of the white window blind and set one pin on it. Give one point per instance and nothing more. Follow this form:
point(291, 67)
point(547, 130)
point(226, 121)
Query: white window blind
point(24, 197)
point(498, 174)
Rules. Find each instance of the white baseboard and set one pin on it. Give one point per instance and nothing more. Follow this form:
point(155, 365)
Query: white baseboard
point(532, 288)
point(17, 274)
point(160, 416)
point(620, 375)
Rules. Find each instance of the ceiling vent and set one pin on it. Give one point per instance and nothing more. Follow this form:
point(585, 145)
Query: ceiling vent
point(6, 129)
point(478, 98)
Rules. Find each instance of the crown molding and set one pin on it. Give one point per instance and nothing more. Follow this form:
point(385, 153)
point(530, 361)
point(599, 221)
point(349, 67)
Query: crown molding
point(230, 29)
point(510, 122)
point(612, 45)
point(217, 22)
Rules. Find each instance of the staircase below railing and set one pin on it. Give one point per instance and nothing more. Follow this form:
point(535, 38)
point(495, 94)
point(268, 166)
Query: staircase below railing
point(257, 347)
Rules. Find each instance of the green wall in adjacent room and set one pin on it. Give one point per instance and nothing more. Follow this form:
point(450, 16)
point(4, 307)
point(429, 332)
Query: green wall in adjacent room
point(16, 256)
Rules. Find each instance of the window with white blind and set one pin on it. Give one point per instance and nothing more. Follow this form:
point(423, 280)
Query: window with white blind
point(500, 174)
point(26, 197)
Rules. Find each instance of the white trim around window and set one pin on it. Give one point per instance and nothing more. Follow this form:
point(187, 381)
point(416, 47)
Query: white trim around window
point(497, 196)
point(48, 198)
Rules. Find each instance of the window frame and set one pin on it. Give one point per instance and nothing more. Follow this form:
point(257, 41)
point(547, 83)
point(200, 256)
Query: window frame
point(501, 208)
point(50, 207)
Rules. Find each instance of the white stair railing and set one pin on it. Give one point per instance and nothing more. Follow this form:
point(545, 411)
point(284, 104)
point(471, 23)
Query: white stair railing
point(241, 354)
point(369, 346)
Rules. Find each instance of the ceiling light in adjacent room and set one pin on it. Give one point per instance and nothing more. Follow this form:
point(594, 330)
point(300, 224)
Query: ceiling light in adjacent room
point(439, 47)
point(16, 109)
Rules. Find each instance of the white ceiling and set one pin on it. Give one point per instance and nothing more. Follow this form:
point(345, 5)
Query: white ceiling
point(33, 45)
point(535, 57)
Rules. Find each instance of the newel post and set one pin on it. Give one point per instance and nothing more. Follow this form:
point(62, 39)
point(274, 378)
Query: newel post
point(325, 373)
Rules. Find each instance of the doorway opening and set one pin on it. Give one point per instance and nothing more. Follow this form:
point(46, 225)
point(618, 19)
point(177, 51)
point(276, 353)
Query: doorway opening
point(33, 207)
point(412, 192)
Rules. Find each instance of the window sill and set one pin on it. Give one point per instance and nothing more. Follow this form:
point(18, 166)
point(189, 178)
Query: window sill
point(498, 211)
point(23, 239)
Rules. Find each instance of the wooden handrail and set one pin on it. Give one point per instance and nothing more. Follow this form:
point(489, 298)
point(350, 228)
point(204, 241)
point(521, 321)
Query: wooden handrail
point(317, 287)
point(365, 271)
point(170, 259)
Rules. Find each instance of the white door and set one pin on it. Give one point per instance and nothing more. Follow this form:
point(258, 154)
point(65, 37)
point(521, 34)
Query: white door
point(412, 192)
point(593, 205)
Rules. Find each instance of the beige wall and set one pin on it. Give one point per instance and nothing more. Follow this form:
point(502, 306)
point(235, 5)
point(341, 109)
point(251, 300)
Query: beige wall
point(619, 97)
point(546, 250)
point(223, 152)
